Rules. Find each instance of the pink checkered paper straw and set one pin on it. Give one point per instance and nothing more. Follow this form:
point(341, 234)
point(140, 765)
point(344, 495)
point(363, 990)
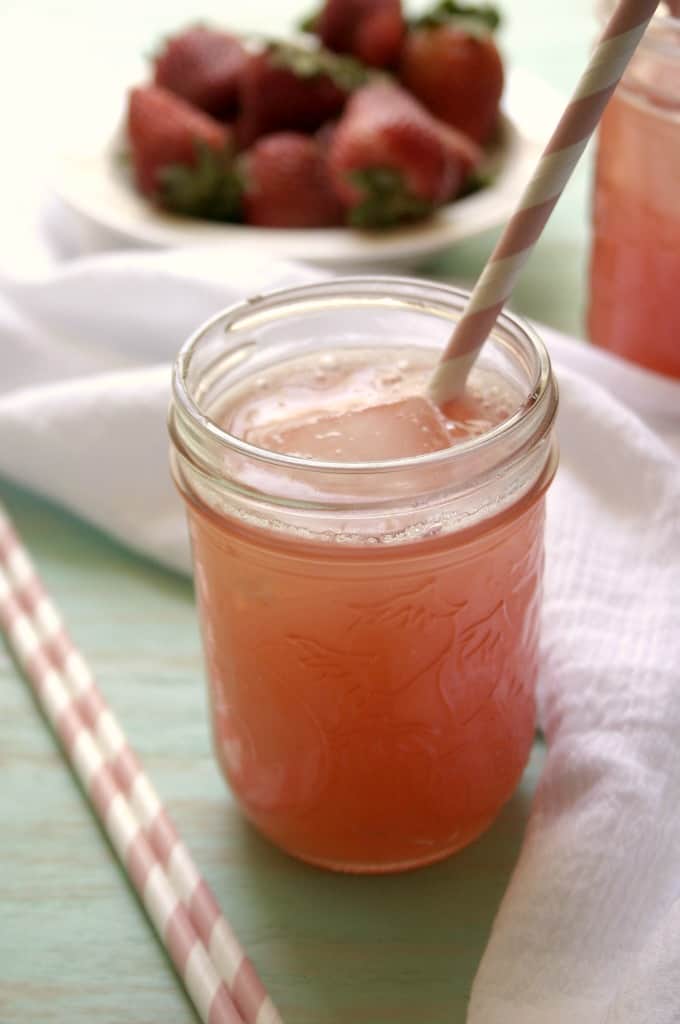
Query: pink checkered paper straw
point(183, 909)
point(596, 85)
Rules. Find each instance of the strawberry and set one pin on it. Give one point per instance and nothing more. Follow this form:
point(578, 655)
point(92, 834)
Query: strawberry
point(371, 30)
point(180, 155)
point(287, 184)
point(390, 160)
point(454, 68)
point(462, 151)
point(287, 88)
point(202, 66)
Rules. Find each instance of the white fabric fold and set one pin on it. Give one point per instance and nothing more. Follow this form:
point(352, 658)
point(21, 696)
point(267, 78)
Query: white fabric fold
point(594, 898)
point(589, 930)
point(86, 353)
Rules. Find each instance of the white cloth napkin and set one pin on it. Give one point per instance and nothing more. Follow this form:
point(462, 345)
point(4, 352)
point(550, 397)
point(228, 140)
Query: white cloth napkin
point(86, 352)
point(589, 930)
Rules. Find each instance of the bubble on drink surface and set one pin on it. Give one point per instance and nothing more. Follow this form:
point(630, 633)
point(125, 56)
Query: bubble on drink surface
point(328, 361)
point(261, 383)
point(494, 401)
point(390, 378)
point(488, 398)
point(403, 365)
point(465, 430)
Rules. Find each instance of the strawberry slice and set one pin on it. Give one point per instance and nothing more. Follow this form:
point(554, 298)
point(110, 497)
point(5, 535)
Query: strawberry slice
point(371, 30)
point(391, 161)
point(202, 66)
point(180, 156)
point(287, 184)
point(451, 64)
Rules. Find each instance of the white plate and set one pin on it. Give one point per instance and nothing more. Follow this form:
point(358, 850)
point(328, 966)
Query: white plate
point(90, 180)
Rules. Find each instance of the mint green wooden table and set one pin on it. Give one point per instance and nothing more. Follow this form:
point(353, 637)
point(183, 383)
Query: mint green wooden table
point(74, 944)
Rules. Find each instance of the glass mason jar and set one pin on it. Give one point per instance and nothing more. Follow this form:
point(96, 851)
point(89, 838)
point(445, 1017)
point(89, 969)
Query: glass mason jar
point(370, 629)
point(634, 307)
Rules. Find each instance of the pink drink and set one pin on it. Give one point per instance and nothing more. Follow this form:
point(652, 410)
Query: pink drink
point(364, 405)
point(371, 673)
point(635, 270)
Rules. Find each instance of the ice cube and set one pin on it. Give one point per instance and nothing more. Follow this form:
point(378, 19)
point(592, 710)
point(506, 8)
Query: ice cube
point(391, 431)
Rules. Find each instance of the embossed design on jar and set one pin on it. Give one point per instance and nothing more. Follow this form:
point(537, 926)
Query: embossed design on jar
point(272, 768)
point(527, 590)
point(476, 665)
point(325, 662)
point(383, 645)
point(415, 607)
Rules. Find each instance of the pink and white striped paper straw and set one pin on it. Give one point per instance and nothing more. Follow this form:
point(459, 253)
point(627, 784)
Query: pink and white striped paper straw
point(607, 63)
point(219, 977)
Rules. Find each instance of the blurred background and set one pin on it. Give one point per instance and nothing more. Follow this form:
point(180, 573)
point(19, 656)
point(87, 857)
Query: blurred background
point(65, 66)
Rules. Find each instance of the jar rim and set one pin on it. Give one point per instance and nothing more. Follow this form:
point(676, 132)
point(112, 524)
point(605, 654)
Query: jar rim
point(541, 401)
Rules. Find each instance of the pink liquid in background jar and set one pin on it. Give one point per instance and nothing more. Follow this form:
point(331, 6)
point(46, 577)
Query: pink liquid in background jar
point(634, 306)
point(371, 671)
